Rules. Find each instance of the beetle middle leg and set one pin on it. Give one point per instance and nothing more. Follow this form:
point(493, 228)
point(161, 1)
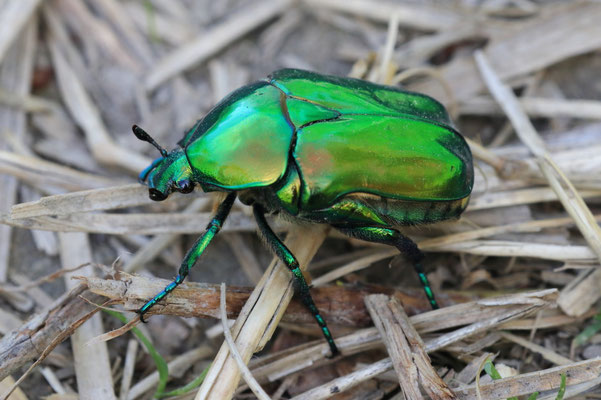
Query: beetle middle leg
point(194, 253)
point(405, 245)
point(290, 261)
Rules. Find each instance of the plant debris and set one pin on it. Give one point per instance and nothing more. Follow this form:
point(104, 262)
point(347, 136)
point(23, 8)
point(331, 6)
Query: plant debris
point(517, 276)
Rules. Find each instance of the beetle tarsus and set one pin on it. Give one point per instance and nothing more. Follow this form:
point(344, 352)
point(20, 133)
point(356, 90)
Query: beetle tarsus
point(405, 245)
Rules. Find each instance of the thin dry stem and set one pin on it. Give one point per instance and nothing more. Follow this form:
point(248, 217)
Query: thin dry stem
point(417, 16)
point(526, 384)
point(514, 53)
point(110, 198)
point(211, 42)
point(15, 75)
point(567, 194)
point(406, 349)
point(478, 316)
point(244, 371)
point(546, 353)
point(13, 18)
point(537, 107)
point(84, 111)
point(128, 368)
point(92, 365)
point(260, 317)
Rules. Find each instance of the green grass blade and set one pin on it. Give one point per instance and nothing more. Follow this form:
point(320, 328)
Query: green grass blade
point(494, 374)
point(491, 370)
point(159, 361)
point(189, 386)
point(562, 388)
point(588, 332)
point(150, 17)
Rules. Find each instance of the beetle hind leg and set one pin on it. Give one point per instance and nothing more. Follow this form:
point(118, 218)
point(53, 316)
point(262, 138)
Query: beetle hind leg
point(405, 245)
point(290, 261)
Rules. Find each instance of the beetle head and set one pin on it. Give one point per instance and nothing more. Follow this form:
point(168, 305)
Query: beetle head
point(168, 173)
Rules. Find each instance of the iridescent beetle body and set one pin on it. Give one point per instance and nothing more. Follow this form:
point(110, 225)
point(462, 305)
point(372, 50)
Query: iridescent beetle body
point(359, 156)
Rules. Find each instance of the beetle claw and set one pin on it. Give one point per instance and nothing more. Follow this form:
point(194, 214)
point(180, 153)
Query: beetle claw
point(332, 354)
point(141, 316)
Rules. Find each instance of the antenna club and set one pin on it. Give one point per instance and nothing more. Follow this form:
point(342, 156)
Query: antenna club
point(145, 137)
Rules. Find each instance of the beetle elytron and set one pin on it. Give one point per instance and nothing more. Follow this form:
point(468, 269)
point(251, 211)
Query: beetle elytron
point(361, 157)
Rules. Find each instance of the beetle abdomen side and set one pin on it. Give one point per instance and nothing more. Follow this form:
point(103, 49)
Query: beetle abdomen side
point(368, 210)
point(396, 158)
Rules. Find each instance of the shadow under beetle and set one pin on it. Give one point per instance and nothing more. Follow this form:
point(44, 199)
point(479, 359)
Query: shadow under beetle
point(361, 157)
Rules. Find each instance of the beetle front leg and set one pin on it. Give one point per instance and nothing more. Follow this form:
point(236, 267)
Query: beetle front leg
point(284, 254)
point(194, 253)
point(405, 245)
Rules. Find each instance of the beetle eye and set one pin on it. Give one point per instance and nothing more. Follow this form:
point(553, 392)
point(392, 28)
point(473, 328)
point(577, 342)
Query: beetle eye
point(185, 186)
point(156, 195)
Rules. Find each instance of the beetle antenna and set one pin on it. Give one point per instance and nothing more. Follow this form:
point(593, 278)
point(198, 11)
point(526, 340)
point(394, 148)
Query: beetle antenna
point(145, 137)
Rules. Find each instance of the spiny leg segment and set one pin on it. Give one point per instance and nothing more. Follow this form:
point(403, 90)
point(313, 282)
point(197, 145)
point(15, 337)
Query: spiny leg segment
point(405, 245)
point(290, 261)
point(194, 253)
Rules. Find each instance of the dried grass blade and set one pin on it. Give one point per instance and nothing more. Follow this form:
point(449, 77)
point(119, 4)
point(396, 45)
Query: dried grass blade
point(91, 361)
point(546, 353)
point(245, 372)
point(417, 16)
point(529, 305)
point(135, 224)
point(495, 309)
point(45, 331)
point(15, 75)
point(406, 349)
point(519, 197)
point(529, 226)
point(260, 315)
point(525, 384)
point(213, 40)
point(128, 368)
point(43, 173)
point(83, 22)
point(15, 14)
point(87, 115)
point(537, 107)
point(346, 382)
point(88, 200)
point(520, 249)
point(556, 40)
point(567, 194)
point(115, 12)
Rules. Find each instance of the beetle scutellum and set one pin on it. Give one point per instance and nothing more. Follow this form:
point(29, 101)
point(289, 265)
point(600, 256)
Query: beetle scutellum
point(362, 157)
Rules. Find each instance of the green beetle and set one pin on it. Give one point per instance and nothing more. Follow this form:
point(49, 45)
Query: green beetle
point(361, 157)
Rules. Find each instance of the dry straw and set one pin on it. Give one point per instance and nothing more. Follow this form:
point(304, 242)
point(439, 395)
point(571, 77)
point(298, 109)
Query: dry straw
point(112, 61)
